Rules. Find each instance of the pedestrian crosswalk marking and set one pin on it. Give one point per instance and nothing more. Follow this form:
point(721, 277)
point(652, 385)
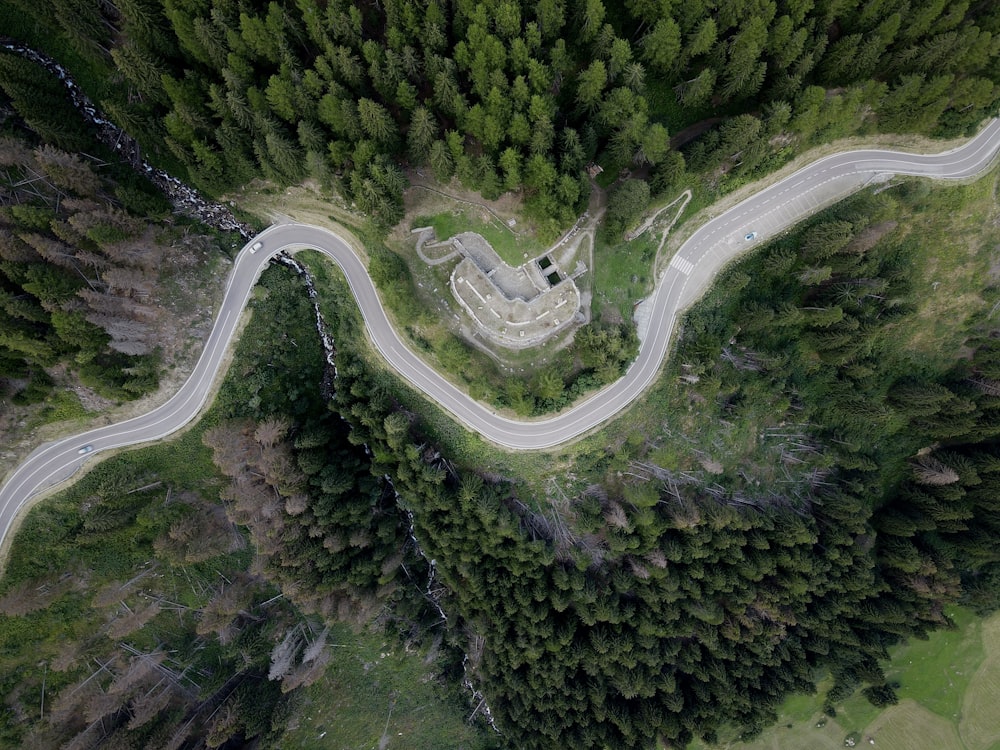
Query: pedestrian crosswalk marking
point(682, 265)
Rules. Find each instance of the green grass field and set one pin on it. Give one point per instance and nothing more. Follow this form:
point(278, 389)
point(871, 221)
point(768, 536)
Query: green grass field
point(623, 274)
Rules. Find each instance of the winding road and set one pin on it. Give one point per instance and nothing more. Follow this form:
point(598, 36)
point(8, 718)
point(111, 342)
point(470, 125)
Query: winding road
point(688, 275)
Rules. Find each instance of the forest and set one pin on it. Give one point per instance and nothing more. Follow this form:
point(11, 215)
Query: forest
point(515, 96)
point(88, 250)
point(136, 613)
point(648, 604)
point(641, 604)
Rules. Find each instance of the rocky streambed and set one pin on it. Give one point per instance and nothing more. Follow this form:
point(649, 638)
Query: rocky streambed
point(185, 199)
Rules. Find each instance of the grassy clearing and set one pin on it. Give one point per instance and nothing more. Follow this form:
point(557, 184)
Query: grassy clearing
point(910, 725)
point(936, 673)
point(952, 243)
point(623, 275)
point(625, 272)
point(308, 203)
point(377, 694)
point(513, 247)
point(979, 725)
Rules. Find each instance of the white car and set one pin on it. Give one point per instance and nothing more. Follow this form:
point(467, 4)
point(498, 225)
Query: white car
point(255, 247)
point(85, 450)
point(750, 236)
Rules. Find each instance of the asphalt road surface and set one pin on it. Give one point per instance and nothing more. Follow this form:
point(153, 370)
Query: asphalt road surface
point(688, 275)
